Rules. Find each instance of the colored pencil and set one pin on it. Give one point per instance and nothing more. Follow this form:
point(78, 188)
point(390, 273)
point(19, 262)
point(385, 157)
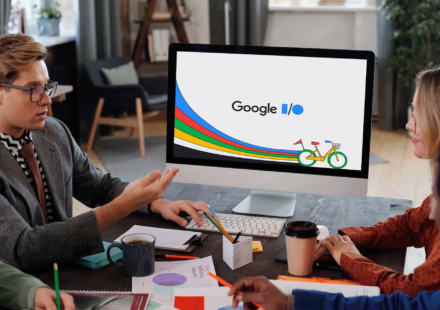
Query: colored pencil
point(57, 285)
point(212, 211)
point(217, 224)
point(175, 256)
point(224, 283)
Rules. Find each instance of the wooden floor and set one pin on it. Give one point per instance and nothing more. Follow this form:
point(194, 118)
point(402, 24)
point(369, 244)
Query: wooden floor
point(404, 176)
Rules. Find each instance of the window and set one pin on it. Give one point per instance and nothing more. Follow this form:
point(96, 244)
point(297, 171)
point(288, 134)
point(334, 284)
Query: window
point(20, 8)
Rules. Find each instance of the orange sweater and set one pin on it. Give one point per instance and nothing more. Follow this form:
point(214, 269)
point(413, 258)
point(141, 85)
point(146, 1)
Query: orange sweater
point(413, 228)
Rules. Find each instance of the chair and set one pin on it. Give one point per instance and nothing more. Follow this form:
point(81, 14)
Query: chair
point(139, 101)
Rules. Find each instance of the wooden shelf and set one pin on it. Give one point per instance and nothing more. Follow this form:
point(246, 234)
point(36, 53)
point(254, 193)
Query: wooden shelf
point(144, 62)
point(161, 17)
point(171, 15)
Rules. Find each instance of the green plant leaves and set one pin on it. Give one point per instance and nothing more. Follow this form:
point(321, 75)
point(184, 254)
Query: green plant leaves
point(416, 36)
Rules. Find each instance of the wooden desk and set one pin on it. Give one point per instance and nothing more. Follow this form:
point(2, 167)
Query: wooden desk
point(333, 212)
point(59, 96)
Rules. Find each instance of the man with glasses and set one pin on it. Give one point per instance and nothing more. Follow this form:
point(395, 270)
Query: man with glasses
point(42, 169)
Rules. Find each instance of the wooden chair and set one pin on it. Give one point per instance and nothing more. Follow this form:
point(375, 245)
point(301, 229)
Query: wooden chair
point(139, 102)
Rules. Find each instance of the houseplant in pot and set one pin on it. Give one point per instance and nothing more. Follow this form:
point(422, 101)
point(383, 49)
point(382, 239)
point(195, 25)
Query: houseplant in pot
point(49, 20)
point(415, 42)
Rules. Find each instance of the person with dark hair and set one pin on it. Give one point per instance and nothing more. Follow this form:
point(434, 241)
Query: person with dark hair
point(263, 292)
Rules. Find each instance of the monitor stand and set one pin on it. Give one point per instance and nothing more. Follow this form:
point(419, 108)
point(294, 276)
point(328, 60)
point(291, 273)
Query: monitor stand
point(268, 203)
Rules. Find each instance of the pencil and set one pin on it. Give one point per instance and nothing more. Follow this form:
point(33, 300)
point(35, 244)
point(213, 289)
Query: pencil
point(217, 224)
point(175, 256)
point(236, 237)
point(224, 283)
point(57, 285)
point(212, 211)
point(214, 223)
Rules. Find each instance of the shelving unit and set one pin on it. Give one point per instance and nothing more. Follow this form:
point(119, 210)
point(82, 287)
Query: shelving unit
point(172, 15)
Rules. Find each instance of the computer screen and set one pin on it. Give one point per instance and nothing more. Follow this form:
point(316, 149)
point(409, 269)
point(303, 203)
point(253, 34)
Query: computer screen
point(299, 111)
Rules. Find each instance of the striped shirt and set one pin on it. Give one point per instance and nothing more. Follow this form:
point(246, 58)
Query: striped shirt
point(14, 145)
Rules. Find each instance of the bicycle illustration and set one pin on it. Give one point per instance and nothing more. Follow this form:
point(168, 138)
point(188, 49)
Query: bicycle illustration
point(336, 160)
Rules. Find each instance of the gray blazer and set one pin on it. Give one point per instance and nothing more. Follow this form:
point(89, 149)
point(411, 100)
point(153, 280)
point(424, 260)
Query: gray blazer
point(26, 242)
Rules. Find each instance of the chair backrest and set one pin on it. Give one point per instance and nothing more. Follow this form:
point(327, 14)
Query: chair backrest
point(94, 68)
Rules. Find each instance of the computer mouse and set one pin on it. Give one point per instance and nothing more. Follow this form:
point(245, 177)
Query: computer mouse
point(323, 232)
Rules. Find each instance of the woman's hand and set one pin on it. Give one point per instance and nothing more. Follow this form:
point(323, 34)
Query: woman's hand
point(337, 245)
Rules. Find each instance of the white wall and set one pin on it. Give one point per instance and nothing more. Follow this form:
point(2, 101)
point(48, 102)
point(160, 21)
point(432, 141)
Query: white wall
point(324, 27)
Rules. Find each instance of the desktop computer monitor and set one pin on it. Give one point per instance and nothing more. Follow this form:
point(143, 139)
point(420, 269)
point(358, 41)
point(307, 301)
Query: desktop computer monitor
point(275, 120)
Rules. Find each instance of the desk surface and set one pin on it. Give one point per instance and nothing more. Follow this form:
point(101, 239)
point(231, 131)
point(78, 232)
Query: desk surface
point(333, 212)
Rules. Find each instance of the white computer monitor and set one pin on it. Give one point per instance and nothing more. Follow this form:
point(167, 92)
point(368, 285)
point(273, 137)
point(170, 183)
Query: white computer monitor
point(270, 119)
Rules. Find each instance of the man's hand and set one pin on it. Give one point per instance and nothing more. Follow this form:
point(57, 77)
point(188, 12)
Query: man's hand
point(137, 194)
point(259, 290)
point(170, 210)
point(148, 189)
point(338, 244)
point(45, 299)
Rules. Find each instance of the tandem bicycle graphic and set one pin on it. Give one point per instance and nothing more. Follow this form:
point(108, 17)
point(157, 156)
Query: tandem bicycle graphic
point(308, 158)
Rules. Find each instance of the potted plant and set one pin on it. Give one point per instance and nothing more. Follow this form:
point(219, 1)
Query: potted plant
point(415, 42)
point(49, 20)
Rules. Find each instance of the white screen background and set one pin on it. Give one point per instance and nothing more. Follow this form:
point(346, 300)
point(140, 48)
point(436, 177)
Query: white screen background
point(331, 91)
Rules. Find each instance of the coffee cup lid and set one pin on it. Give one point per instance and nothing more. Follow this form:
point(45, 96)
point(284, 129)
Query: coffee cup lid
point(301, 229)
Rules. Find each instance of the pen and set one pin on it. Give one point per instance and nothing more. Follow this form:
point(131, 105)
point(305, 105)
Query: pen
point(223, 229)
point(236, 237)
point(224, 283)
point(175, 256)
point(57, 285)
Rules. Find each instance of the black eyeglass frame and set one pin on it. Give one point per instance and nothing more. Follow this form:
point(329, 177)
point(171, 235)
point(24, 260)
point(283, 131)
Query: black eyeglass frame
point(31, 89)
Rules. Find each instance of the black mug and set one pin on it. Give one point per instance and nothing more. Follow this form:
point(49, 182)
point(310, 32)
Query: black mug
point(138, 255)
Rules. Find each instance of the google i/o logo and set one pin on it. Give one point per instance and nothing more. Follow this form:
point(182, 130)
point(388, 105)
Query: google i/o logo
point(263, 110)
point(296, 109)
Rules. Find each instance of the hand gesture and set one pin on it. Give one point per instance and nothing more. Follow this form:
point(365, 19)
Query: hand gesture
point(149, 188)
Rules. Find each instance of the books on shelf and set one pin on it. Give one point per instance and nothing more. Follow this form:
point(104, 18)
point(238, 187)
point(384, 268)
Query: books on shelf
point(156, 46)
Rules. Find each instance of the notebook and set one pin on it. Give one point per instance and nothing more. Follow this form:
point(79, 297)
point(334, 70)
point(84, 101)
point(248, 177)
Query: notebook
point(166, 239)
point(100, 259)
point(93, 300)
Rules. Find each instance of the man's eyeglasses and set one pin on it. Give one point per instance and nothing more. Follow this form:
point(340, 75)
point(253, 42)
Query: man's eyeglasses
point(37, 92)
point(413, 117)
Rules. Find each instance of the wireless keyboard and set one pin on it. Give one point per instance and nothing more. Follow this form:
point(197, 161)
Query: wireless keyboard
point(248, 225)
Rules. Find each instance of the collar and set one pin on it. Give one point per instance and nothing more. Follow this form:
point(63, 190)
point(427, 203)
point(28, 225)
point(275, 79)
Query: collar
point(16, 144)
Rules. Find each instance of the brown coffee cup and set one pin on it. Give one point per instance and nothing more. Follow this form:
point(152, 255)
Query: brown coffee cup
point(301, 237)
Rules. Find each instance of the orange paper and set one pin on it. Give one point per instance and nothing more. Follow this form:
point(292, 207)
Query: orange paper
point(257, 247)
point(317, 280)
point(189, 302)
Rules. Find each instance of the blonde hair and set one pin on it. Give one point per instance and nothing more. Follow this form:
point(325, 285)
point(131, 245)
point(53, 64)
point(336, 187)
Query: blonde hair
point(16, 52)
point(428, 109)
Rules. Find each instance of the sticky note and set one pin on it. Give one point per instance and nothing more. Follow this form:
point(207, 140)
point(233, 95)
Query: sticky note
point(257, 247)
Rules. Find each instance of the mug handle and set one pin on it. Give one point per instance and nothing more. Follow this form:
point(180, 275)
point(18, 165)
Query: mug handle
point(109, 257)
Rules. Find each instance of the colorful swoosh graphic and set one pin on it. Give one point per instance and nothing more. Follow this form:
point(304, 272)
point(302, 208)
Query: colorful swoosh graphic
point(190, 127)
